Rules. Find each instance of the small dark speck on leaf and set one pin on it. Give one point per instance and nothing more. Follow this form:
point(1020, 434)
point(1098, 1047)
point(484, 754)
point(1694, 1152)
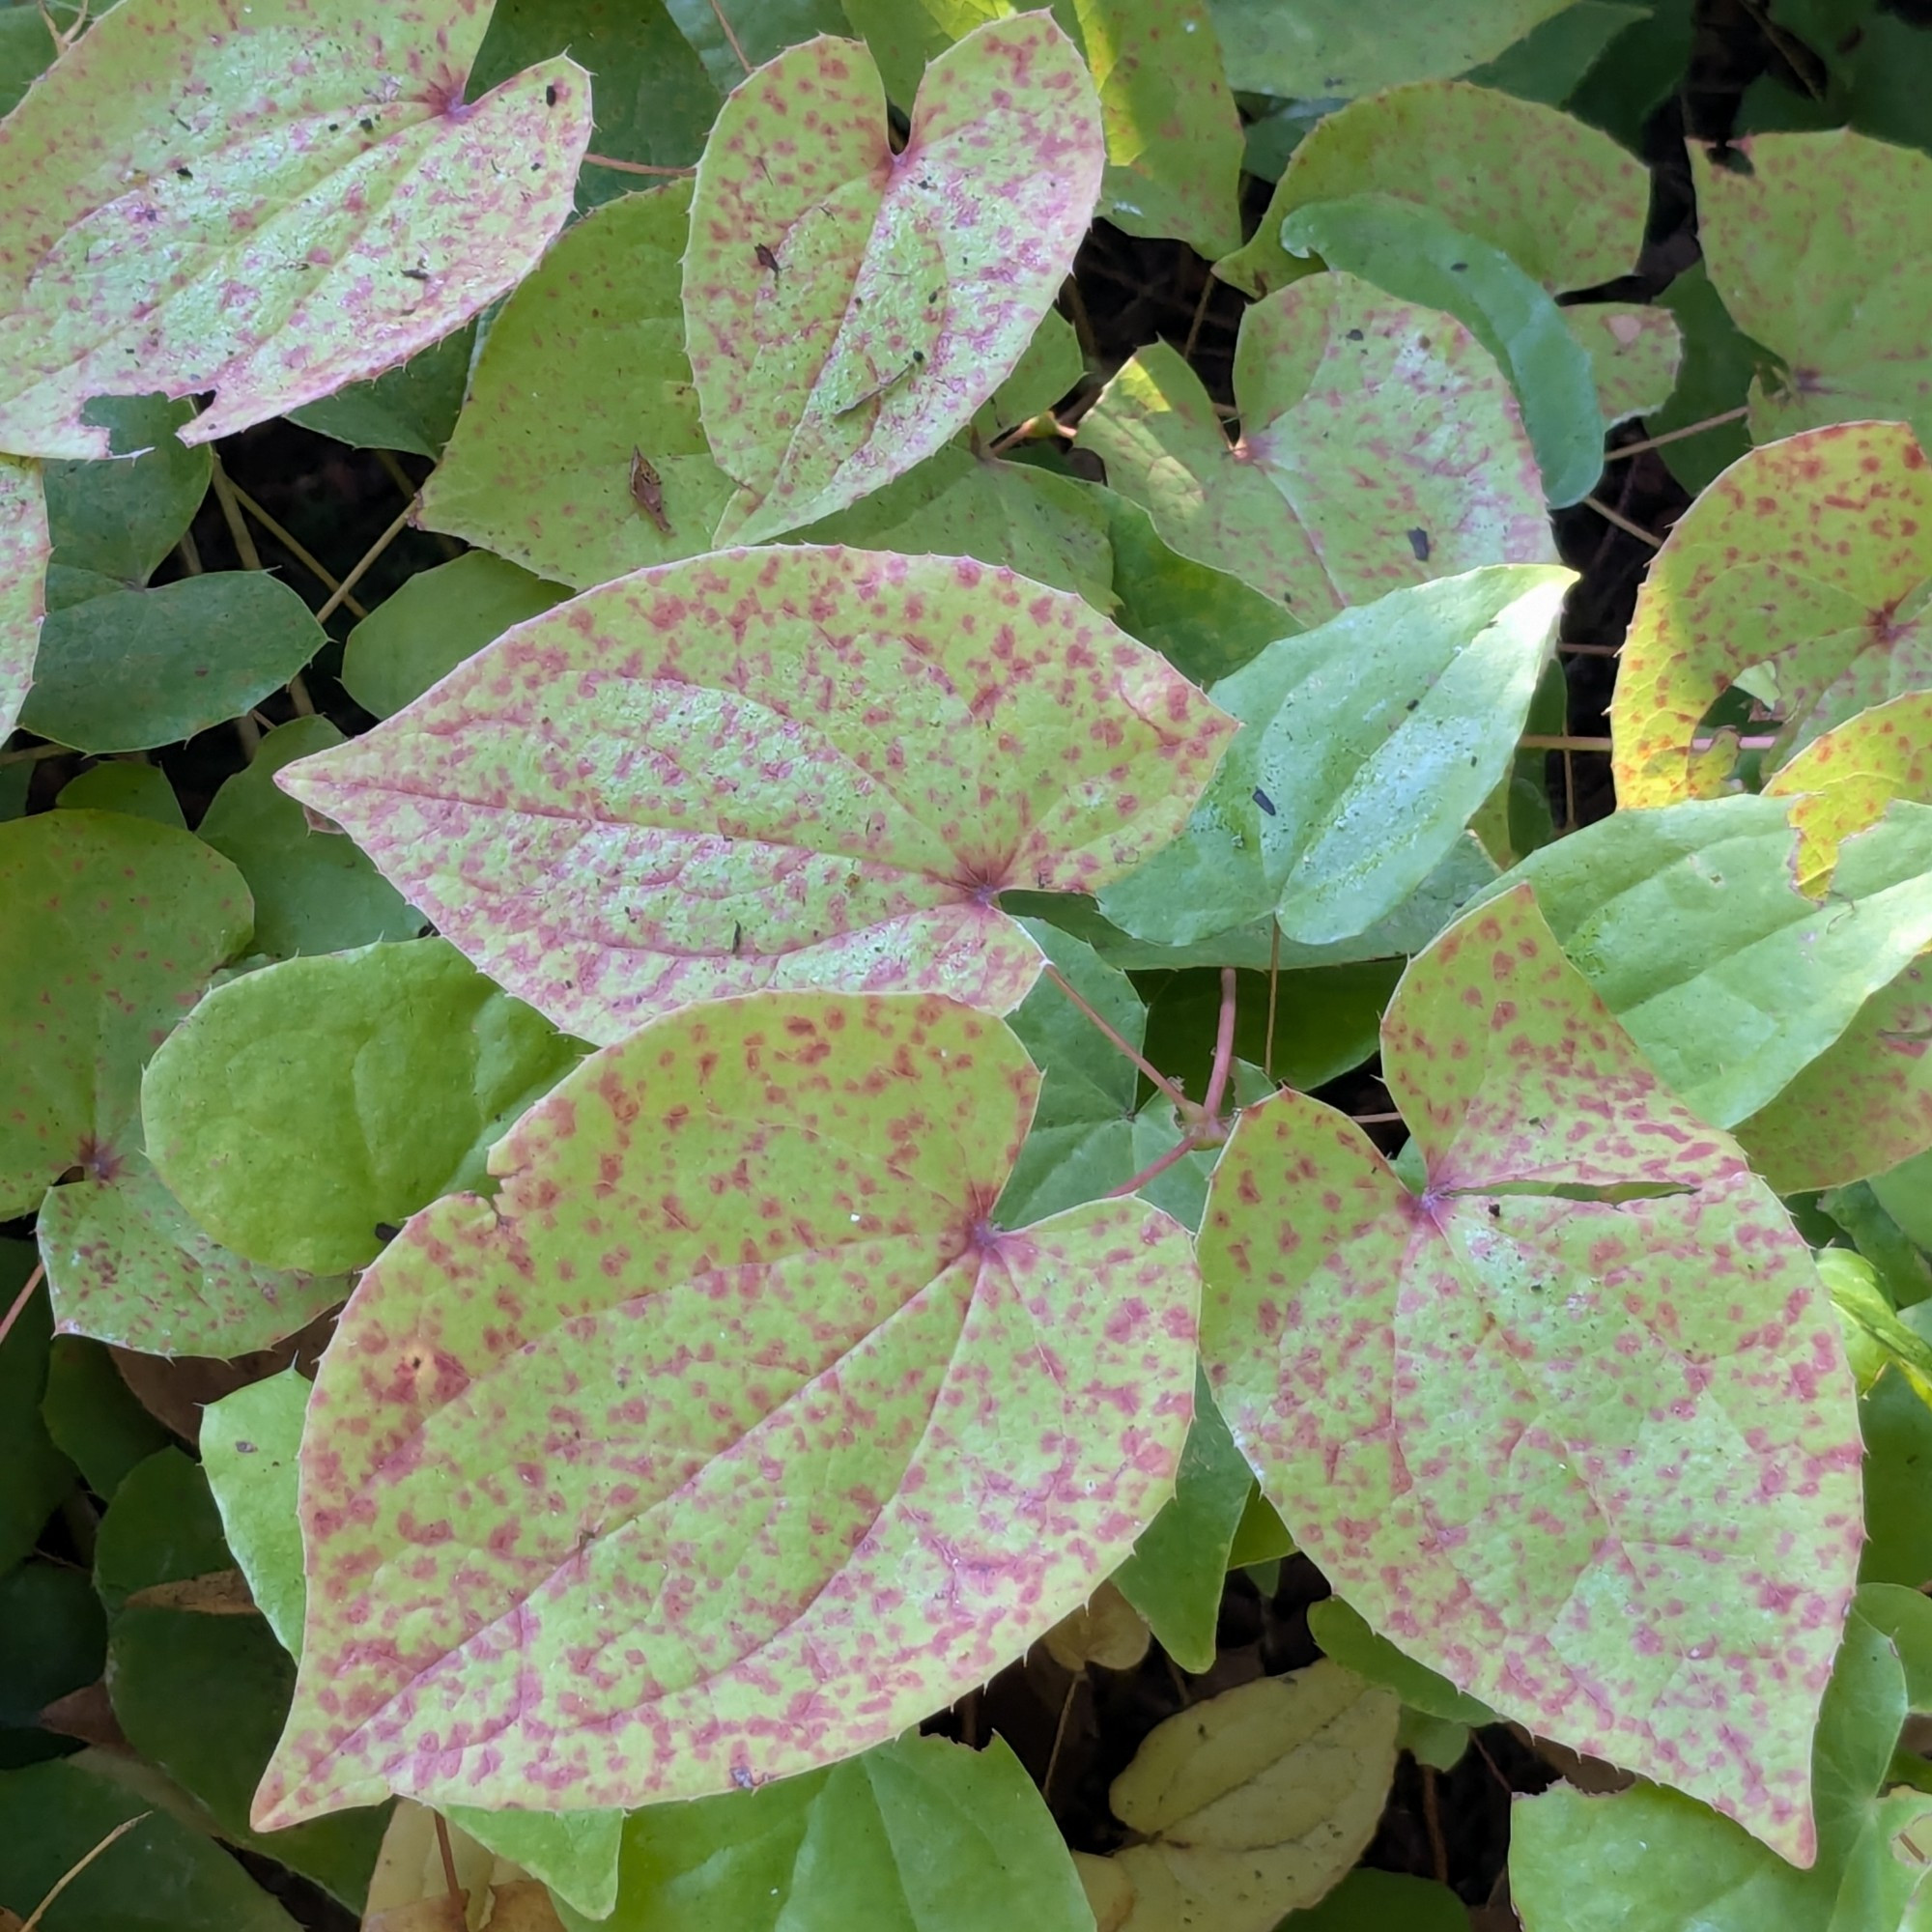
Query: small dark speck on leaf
point(1459, 267)
point(550, 96)
point(1266, 803)
point(1496, 1210)
point(767, 258)
point(184, 174)
point(386, 1231)
point(1411, 704)
point(1419, 542)
point(245, 1448)
point(367, 126)
point(1354, 335)
point(417, 275)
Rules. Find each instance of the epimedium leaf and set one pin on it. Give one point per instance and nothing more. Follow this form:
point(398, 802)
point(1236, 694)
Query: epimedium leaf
point(1553, 58)
point(1323, 369)
point(1339, 48)
point(115, 926)
point(780, 1430)
point(301, 1109)
point(772, 768)
point(38, 1474)
point(412, 407)
point(121, 517)
point(1821, 246)
point(249, 1440)
point(1179, 1568)
point(1636, 351)
point(1368, 745)
point(1687, 921)
point(1649, 1857)
point(419, 635)
point(1412, 253)
point(1174, 134)
point(313, 891)
point(94, 1416)
point(1248, 1804)
point(1876, 1340)
point(760, 30)
point(580, 396)
point(120, 784)
point(121, 671)
point(53, 1640)
point(916, 1836)
point(1572, 1425)
point(1345, 1636)
point(23, 565)
point(1564, 202)
point(1105, 1632)
point(1051, 366)
point(1715, 379)
point(128, 1265)
point(358, 209)
point(849, 308)
point(1801, 571)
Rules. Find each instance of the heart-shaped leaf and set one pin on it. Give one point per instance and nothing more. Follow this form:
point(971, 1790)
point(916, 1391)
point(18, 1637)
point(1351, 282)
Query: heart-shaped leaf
point(122, 516)
point(1565, 203)
point(1821, 245)
point(1636, 351)
point(729, 1437)
point(1805, 565)
point(1325, 370)
point(23, 567)
point(299, 1109)
point(268, 205)
point(772, 768)
point(1319, 813)
point(120, 670)
point(1688, 922)
point(248, 1446)
point(114, 927)
point(580, 453)
point(1572, 1425)
point(848, 308)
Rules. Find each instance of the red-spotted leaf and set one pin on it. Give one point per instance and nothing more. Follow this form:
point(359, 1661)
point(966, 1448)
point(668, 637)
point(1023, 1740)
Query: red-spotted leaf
point(1381, 445)
point(270, 202)
point(791, 768)
point(848, 308)
point(23, 566)
point(730, 1436)
point(1799, 573)
point(1572, 1425)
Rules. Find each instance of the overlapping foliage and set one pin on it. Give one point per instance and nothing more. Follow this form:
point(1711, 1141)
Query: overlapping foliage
point(749, 1035)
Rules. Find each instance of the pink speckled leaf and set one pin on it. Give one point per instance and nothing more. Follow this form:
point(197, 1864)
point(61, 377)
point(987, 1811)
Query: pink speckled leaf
point(270, 201)
point(1381, 445)
point(23, 569)
point(729, 1437)
point(849, 308)
point(797, 767)
point(1574, 1425)
point(1802, 570)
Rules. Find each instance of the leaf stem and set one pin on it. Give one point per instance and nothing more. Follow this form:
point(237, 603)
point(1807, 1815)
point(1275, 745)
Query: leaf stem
point(631, 167)
point(1623, 523)
point(79, 1865)
point(231, 515)
point(20, 1300)
point(730, 36)
point(1627, 449)
point(340, 594)
point(1223, 1048)
point(449, 1877)
point(326, 578)
point(1177, 1151)
point(1152, 1072)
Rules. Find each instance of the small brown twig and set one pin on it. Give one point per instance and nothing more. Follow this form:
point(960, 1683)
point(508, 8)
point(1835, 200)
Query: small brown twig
point(730, 36)
point(1627, 449)
point(20, 1300)
point(369, 556)
point(449, 1877)
point(231, 515)
point(326, 578)
point(79, 1865)
point(631, 167)
point(1623, 523)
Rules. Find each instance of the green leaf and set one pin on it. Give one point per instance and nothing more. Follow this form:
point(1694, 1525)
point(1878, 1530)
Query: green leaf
point(1174, 136)
point(1635, 351)
point(1875, 1232)
point(314, 892)
point(27, 47)
point(135, 790)
point(122, 516)
point(1501, 1389)
point(902, 288)
point(412, 407)
point(1823, 252)
point(1344, 47)
point(1902, 1191)
point(1368, 745)
point(248, 1444)
point(1415, 255)
point(1898, 1429)
point(1051, 366)
point(53, 1640)
point(1550, 61)
point(796, 767)
point(161, 1526)
point(574, 1853)
point(732, 1309)
point(1875, 1338)
point(299, 1110)
point(38, 1474)
point(23, 564)
point(918, 1836)
point(1323, 369)
point(1687, 922)
point(762, 30)
point(158, 1876)
point(127, 669)
point(115, 926)
point(1719, 361)
point(1799, 570)
point(420, 634)
point(653, 101)
point(1563, 202)
point(128, 1265)
point(1368, 1900)
point(583, 374)
point(1178, 1571)
point(94, 1416)
point(265, 229)
point(1345, 1636)
point(1651, 1857)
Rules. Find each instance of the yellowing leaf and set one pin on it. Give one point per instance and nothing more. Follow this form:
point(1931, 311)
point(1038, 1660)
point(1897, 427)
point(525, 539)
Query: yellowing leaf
point(1108, 1631)
point(1843, 781)
point(269, 202)
point(849, 308)
point(410, 1891)
point(1251, 1804)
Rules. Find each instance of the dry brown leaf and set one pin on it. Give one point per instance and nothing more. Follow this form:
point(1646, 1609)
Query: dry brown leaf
point(1106, 1630)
